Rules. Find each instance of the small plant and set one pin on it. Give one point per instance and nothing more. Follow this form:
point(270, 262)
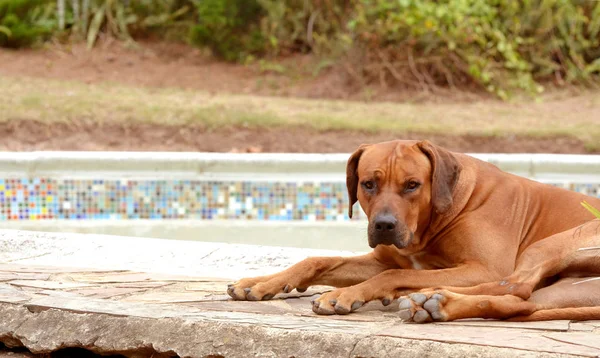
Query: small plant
point(591, 209)
point(119, 18)
point(596, 213)
point(25, 22)
point(229, 28)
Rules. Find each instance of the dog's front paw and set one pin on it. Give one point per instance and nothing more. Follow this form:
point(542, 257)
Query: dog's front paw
point(260, 288)
point(341, 301)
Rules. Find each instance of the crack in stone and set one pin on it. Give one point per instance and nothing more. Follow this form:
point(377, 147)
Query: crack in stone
point(351, 355)
point(28, 257)
point(12, 334)
point(568, 342)
point(94, 340)
point(35, 309)
point(142, 291)
point(207, 255)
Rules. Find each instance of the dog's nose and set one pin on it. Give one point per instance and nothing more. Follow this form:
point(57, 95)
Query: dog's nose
point(385, 223)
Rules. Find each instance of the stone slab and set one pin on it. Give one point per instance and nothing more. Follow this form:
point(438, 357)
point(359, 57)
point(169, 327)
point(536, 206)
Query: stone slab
point(117, 322)
point(187, 314)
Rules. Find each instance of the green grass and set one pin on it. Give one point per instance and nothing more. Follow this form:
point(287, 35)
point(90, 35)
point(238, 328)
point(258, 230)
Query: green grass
point(591, 209)
point(66, 101)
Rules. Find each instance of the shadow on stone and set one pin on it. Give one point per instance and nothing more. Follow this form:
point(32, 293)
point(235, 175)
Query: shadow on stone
point(79, 353)
point(22, 352)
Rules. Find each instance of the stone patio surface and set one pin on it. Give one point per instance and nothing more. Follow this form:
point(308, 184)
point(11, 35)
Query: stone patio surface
point(155, 298)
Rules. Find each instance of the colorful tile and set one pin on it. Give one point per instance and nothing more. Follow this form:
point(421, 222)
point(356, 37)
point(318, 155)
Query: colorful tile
point(100, 199)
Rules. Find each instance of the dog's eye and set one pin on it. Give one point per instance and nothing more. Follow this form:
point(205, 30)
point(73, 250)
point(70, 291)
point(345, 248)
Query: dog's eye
point(369, 184)
point(412, 186)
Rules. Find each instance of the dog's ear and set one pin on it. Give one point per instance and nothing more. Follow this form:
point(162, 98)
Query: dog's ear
point(352, 177)
point(445, 171)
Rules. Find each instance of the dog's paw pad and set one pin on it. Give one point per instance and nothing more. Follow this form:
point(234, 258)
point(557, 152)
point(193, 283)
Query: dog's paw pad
point(405, 315)
point(434, 307)
point(418, 298)
point(437, 296)
point(405, 304)
point(421, 316)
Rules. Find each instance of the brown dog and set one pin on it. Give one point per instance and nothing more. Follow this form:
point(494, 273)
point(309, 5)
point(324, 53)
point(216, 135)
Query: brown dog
point(501, 245)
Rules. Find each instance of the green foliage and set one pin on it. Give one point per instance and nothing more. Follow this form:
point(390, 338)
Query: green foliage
point(299, 25)
point(502, 46)
point(229, 28)
point(125, 19)
point(499, 44)
point(235, 29)
point(170, 19)
point(111, 16)
point(24, 22)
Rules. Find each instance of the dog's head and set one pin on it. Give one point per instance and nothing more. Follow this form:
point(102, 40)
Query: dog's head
point(400, 185)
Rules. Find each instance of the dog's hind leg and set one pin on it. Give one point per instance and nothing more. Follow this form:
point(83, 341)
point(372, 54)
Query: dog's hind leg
point(569, 298)
point(572, 255)
point(573, 252)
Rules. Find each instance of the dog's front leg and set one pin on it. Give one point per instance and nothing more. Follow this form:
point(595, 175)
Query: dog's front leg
point(394, 283)
point(330, 271)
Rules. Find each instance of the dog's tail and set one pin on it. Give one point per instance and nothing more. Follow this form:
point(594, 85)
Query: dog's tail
point(573, 314)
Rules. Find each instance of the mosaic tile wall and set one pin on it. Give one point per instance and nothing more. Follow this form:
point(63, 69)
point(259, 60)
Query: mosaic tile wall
point(44, 198)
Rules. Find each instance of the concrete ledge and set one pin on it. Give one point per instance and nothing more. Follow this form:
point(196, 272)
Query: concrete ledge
point(149, 255)
point(294, 233)
point(261, 166)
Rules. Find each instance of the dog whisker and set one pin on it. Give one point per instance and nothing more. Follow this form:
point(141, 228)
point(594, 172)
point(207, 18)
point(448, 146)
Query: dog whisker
point(589, 248)
point(586, 280)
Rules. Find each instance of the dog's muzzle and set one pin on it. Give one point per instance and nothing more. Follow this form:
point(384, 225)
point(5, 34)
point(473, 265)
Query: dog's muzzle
point(385, 229)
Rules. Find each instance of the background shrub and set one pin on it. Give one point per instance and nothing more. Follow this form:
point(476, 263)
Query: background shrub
point(166, 19)
point(230, 28)
point(498, 45)
point(24, 22)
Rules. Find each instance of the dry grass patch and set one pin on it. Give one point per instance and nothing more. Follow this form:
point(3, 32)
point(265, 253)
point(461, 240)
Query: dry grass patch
point(66, 101)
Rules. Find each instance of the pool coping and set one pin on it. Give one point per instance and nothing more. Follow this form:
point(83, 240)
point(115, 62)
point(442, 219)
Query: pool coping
point(262, 166)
